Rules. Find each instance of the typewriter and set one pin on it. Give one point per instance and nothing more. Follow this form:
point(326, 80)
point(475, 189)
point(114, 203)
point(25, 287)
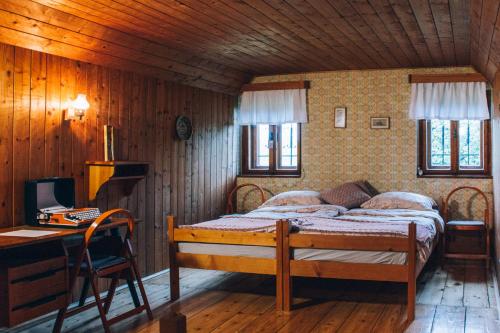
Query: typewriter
point(51, 202)
point(69, 217)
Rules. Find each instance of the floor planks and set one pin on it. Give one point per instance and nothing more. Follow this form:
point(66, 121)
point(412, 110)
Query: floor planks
point(456, 298)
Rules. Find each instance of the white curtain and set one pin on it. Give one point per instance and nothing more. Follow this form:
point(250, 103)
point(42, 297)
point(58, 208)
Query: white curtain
point(273, 107)
point(449, 101)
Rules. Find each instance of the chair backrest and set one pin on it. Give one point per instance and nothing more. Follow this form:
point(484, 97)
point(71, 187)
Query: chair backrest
point(229, 205)
point(472, 188)
point(104, 216)
point(84, 253)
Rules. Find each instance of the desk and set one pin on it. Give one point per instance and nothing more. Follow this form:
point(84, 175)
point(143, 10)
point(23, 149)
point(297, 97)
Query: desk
point(34, 278)
point(7, 242)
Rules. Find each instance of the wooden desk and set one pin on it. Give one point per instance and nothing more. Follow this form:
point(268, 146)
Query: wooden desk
point(34, 277)
point(7, 242)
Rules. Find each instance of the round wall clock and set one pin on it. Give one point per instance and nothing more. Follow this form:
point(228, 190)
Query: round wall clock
point(183, 127)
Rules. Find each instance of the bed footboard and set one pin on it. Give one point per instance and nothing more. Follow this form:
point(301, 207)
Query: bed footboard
point(343, 270)
point(270, 266)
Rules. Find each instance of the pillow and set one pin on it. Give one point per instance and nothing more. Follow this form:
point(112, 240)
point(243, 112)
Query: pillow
point(291, 198)
point(400, 200)
point(348, 195)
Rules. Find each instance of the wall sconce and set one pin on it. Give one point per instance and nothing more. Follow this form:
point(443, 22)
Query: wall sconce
point(78, 107)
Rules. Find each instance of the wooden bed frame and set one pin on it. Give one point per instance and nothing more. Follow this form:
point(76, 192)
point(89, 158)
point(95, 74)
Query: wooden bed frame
point(284, 267)
point(406, 273)
point(226, 263)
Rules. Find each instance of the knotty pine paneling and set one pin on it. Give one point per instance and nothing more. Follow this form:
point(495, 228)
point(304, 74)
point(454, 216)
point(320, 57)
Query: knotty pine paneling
point(189, 179)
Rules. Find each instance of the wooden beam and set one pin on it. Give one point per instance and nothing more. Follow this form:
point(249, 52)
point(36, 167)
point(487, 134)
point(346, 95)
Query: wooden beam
point(227, 263)
point(225, 237)
point(352, 271)
point(435, 78)
point(343, 242)
point(276, 86)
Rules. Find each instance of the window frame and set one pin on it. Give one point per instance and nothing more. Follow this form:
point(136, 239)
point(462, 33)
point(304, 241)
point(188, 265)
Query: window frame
point(455, 170)
point(249, 154)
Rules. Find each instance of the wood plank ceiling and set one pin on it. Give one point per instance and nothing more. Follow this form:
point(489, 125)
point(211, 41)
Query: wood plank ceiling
point(221, 44)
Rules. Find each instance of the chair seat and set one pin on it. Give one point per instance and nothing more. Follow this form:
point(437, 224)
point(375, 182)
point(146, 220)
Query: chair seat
point(100, 263)
point(465, 223)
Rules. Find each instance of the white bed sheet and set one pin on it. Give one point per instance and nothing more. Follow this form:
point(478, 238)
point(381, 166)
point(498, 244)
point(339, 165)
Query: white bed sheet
point(366, 257)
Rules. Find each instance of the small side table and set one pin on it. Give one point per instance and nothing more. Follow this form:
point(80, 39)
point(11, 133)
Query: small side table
point(477, 226)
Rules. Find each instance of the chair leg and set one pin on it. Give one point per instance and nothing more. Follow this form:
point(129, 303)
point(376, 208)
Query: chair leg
point(111, 293)
point(85, 292)
point(443, 250)
point(135, 273)
point(59, 320)
point(102, 314)
point(487, 231)
point(133, 292)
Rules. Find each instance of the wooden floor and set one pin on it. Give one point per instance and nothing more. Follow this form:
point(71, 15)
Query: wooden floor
point(458, 298)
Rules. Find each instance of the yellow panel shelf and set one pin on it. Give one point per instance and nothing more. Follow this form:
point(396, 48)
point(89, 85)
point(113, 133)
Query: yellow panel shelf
point(101, 172)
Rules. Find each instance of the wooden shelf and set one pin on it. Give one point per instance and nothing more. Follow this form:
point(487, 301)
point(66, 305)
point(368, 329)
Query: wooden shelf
point(101, 172)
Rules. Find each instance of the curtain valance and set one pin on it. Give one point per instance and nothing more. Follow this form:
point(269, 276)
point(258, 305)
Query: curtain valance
point(449, 101)
point(273, 107)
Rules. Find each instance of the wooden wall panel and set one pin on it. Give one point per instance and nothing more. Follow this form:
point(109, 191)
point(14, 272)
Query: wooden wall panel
point(6, 114)
point(36, 142)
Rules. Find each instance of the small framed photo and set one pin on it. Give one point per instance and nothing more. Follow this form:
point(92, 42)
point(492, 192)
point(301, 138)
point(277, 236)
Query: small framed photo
point(340, 117)
point(380, 122)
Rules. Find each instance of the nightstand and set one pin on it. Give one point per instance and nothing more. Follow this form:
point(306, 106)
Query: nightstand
point(478, 226)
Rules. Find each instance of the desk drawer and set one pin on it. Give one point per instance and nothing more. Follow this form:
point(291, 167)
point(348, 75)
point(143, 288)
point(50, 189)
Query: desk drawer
point(33, 281)
point(34, 268)
point(31, 288)
point(37, 308)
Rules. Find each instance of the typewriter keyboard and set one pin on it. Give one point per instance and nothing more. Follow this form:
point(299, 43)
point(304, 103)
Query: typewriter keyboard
point(83, 215)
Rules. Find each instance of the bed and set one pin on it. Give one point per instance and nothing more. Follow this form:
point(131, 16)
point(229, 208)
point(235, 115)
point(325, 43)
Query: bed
point(363, 244)
point(312, 241)
point(249, 243)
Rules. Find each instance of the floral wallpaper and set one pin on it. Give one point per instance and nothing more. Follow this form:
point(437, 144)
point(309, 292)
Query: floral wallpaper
point(387, 158)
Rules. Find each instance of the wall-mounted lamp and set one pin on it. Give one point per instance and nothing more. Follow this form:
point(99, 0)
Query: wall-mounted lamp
point(78, 107)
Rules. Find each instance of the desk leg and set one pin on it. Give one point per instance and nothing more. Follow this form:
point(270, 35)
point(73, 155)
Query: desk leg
point(133, 292)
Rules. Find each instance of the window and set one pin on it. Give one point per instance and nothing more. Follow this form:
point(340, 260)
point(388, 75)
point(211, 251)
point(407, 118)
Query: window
point(454, 148)
point(271, 150)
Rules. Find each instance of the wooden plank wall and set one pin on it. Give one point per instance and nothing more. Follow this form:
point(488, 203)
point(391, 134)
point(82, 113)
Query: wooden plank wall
point(189, 179)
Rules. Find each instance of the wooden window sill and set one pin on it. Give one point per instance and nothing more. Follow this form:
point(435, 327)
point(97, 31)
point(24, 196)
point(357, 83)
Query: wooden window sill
point(267, 176)
point(472, 176)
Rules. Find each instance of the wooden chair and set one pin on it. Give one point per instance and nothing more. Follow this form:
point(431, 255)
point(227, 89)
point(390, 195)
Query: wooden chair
point(118, 264)
point(477, 226)
point(229, 204)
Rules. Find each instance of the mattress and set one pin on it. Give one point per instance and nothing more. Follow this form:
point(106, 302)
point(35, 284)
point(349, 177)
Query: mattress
point(351, 256)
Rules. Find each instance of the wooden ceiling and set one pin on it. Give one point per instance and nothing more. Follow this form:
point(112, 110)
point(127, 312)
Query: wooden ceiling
point(221, 44)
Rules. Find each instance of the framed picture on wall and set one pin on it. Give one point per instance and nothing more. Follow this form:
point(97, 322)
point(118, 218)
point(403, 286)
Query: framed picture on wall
point(380, 122)
point(340, 117)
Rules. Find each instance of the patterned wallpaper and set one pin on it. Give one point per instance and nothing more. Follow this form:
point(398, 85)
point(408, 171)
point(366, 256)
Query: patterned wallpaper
point(386, 158)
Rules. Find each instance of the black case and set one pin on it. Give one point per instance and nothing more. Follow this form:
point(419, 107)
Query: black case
point(64, 192)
